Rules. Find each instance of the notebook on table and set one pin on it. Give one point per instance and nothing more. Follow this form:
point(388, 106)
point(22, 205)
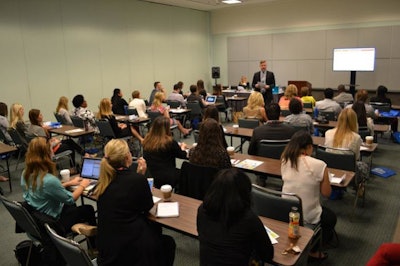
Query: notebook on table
point(211, 99)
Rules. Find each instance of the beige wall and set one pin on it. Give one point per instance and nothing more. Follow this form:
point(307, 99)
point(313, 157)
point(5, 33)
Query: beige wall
point(51, 48)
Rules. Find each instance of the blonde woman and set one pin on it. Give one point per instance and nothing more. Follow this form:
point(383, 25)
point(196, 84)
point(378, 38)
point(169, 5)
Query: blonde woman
point(125, 235)
point(120, 129)
point(17, 119)
point(62, 109)
point(255, 107)
point(345, 134)
point(290, 92)
point(157, 106)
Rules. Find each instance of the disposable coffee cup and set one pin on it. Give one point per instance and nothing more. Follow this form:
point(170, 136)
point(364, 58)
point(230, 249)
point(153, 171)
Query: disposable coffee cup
point(235, 127)
point(65, 175)
point(167, 192)
point(369, 140)
point(230, 150)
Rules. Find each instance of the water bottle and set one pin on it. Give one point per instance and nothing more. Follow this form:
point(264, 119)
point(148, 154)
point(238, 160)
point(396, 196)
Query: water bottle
point(294, 223)
point(316, 112)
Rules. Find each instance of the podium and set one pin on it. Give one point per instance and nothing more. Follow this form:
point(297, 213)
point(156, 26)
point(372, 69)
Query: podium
point(300, 83)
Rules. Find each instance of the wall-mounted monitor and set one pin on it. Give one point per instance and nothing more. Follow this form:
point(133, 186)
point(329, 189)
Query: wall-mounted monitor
point(354, 59)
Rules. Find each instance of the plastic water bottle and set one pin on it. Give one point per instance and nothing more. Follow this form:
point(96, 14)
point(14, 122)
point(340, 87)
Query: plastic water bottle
point(294, 223)
point(316, 112)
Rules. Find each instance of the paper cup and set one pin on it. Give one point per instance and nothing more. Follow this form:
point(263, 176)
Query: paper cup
point(65, 175)
point(369, 140)
point(230, 150)
point(167, 192)
point(235, 127)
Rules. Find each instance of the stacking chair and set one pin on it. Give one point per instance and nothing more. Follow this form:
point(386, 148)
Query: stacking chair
point(307, 105)
point(223, 107)
point(132, 111)
point(195, 180)
point(71, 251)
point(106, 131)
point(77, 121)
point(285, 112)
point(195, 111)
point(60, 118)
point(25, 221)
point(363, 132)
point(271, 148)
point(277, 205)
point(381, 107)
point(20, 143)
point(330, 116)
point(248, 123)
point(173, 104)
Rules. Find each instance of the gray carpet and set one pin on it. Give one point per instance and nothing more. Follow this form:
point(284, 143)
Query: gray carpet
point(359, 236)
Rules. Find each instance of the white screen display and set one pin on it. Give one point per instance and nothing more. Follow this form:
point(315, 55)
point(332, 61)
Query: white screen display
point(354, 59)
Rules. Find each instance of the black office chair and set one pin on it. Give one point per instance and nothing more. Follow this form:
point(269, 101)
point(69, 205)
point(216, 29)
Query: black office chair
point(77, 121)
point(71, 251)
point(60, 118)
point(20, 143)
point(195, 180)
point(271, 148)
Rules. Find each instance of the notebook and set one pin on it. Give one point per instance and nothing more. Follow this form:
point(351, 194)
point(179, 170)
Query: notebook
point(91, 170)
point(211, 99)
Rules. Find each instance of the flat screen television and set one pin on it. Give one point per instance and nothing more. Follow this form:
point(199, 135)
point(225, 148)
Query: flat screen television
point(354, 59)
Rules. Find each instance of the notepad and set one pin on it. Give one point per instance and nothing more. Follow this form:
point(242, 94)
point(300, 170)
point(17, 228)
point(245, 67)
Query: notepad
point(167, 209)
point(336, 179)
point(76, 130)
point(249, 164)
point(272, 235)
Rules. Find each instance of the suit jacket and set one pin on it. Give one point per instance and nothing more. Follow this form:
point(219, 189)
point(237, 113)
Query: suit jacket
point(269, 80)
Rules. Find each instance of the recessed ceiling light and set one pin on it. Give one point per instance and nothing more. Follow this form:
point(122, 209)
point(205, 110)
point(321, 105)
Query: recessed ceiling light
point(232, 1)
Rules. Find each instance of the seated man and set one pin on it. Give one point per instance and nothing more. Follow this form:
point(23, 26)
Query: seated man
point(327, 104)
point(343, 96)
point(273, 129)
point(194, 96)
point(176, 96)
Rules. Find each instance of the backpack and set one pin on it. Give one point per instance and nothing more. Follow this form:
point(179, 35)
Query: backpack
point(22, 250)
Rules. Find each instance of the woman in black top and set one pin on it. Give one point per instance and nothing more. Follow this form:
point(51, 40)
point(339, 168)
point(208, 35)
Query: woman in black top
point(229, 231)
point(212, 112)
point(160, 151)
point(381, 96)
point(210, 151)
point(125, 235)
point(118, 103)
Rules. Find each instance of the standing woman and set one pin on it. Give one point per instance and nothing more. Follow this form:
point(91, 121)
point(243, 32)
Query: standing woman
point(118, 103)
point(255, 107)
point(160, 151)
point(120, 129)
point(62, 109)
point(229, 231)
point(308, 178)
point(125, 235)
point(48, 200)
point(210, 151)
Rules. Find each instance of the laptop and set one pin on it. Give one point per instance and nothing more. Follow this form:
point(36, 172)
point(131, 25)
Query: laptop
point(91, 170)
point(211, 99)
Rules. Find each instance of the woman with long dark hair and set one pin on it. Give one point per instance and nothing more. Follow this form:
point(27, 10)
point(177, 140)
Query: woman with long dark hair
point(229, 231)
point(118, 103)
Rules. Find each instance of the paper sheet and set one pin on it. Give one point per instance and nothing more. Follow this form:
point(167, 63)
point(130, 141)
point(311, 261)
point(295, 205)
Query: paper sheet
point(168, 209)
point(249, 164)
point(272, 235)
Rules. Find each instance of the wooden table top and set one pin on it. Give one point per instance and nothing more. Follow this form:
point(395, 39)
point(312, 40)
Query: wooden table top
point(232, 98)
point(5, 148)
point(332, 124)
point(71, 131)
point(273, 167)
point(186, 223)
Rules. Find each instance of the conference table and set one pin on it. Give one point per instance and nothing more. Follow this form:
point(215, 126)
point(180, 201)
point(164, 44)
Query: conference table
point(6, 150)
point(186, 224)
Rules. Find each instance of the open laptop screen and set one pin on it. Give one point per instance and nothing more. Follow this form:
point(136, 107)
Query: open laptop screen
point(211, 98)
point(91, 168)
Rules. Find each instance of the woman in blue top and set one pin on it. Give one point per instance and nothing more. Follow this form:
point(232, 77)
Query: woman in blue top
point(46, 197)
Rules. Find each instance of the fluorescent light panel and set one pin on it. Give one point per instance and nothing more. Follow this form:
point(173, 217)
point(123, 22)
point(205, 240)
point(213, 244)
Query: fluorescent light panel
point(232, 1)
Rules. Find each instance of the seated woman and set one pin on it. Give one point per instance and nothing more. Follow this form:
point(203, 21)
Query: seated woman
point(381, 96)
point(290, 92)
point(62, 110)
point(244, 83)
point(83, 112)
point(306, 96)
point(120, 129)
point(362, 119)
point(362, 95)
point(118, 103)
point(157, 106)
point(230, 233)
point(125, 235)
point(17, 120)
point(210, 150)
point(48, 200)
point(212, 112)
point(255, 107)
point(308, 178)
point(139, 104)
point(4, 125)
point(297, 118)
point(39, 130)
point(160, 151)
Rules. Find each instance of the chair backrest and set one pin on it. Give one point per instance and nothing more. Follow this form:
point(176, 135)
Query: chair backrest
point(343, 159)
point(196, 133)
point(195, 108)
point(285, 112)
point(248, 123)
point(105, 128)
point(220, 99)
point(132, 111)
point(60, 118)
point(330, 116)
point(22, 217)
point(275, 204)
point(3, 137)
point(18, 140)
point(307, 105)
point(173, 104)
point(382, 107)
point(271, 148)
point(71, 251)
point(363, 132)
point(195, 180)
point(77, 121)
point(153, 115)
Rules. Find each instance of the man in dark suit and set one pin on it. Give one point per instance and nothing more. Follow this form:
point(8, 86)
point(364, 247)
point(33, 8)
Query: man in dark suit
point(274, 129)
point(264, 82)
